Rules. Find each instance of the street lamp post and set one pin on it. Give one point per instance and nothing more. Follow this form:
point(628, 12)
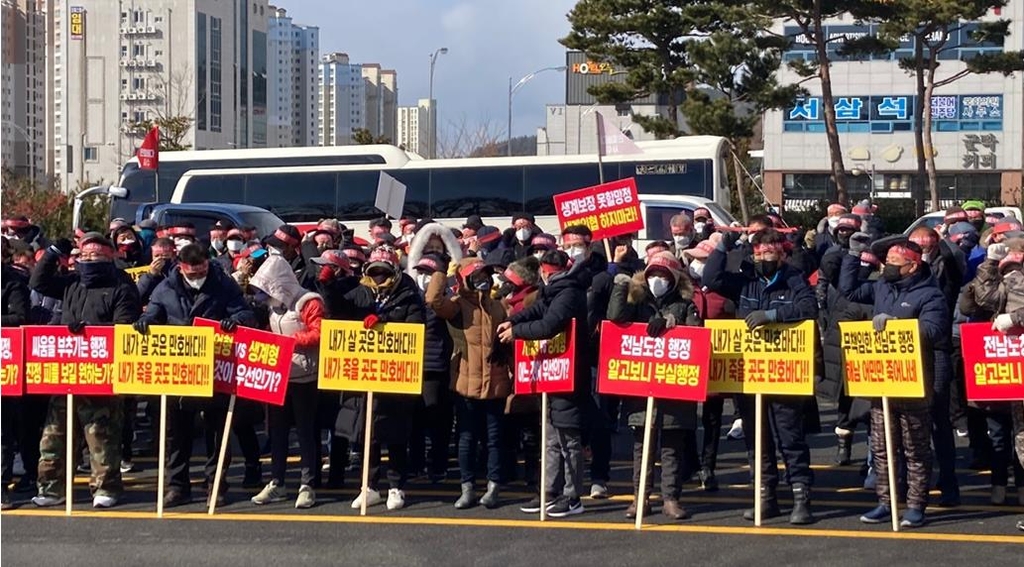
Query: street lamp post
point(857, 171)
point(430, 97)
point(512, 89)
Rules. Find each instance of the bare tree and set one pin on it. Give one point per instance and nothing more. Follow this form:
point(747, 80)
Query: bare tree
point(459, 138)
point(173, 110)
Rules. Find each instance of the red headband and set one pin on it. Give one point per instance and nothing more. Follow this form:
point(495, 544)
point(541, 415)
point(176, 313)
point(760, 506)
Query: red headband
point(285, 237)
point(572, 239)
point(955, 216)
point(766, 248)
point(490, 237)
point(906, 253)
point(16, 223)
point(354, 254)
point(975, 213)
point(427, 262)
point(96, 247)
point(549, 269)
point(513, 277)
point(181, 231)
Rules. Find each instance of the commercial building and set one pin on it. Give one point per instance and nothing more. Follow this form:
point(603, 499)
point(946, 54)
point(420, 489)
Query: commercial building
point(381, 89)
point(119, 64)
point(24, 97)
point(414, 127)
point(978, 123)
point(293, 53)
point(342, 100)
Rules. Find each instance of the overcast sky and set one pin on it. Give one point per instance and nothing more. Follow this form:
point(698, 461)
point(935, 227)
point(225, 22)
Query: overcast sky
point(487, 41)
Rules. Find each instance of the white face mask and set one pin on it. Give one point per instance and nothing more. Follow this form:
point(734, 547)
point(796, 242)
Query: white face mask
point(538, 255)
point(218, 245)
point(274, 251)
point(682, 240)
point(659, 286)
point(696, 268)
point(127, 242)
point(180, 243)
point(927, 257)
point(523, 234)
point(699, 227)
point(195, 284)
point(423, 280)
point(833, 222)
point(235, 245)
point(576, 253)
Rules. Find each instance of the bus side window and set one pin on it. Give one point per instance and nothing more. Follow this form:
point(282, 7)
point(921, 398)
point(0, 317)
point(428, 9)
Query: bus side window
point(356, 193)
point(292, 196)
point(485, 191)
point(214, 189)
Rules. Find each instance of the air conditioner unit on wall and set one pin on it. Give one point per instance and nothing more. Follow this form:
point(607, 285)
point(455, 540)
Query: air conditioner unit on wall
point(151, 29)
point(124, 31)
point(123, 96)
point(151, 62)
point(124, 63)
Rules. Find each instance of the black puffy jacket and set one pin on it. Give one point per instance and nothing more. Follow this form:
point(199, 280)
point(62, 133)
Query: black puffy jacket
point(787, 294)
point(113, 300)
point(17, 305)
point(174, 303)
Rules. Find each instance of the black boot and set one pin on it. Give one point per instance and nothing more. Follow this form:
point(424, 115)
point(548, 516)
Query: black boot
point(844, 448)
point(801, 514)
point(769, 505)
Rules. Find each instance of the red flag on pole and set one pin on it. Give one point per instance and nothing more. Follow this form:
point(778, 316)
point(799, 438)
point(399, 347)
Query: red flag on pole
point(149, 152)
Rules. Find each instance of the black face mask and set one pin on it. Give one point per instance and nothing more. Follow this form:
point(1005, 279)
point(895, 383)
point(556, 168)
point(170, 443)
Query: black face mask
point(94, 274)
point(843, 239)
point(891, 273)
point(978, 224)
point(765, 269)
point(506, 289)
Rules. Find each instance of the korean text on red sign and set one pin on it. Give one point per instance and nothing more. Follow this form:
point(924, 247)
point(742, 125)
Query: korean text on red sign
point(250, 363)
point(12, 360)
point(607, 210)
point(993, 363)
point(547, 366)
point(58, 362)
point(673, 366)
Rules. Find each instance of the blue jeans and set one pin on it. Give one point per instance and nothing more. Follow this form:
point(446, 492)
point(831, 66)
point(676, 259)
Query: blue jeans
point(479, 420)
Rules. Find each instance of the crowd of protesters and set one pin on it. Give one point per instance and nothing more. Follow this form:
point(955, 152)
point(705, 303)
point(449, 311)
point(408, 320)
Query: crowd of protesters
point(476, 289)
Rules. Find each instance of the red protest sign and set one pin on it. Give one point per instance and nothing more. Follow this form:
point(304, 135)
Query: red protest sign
point(59, 362)
point(546, 367)
point(250, 363)
point(12, 356)
point(608, 210)
point(993, 363)
point(673, 366)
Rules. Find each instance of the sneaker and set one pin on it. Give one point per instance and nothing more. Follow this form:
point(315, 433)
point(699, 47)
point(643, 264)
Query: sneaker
point(736, 431)
point(998, 495)
point(127, 466)
point(533, 506)
point(84, 468)
point(104, 501)
point(307, 498)
point(877, 516)
point(175, 497)
point(961, 433)
point(44, 501)
point(1020, 525)
point(6, 503)
point(372, 499)
point(599, 491)
point(565, 507)
point(396, 499)
point(912, 518)
point(272, 492)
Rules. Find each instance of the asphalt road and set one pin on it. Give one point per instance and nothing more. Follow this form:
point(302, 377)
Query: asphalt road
point(430, 531)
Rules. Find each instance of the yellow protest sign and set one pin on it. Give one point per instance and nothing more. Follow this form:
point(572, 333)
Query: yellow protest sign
point(387, 358)
point(171, 360)
point(882, 364)
point(772, 359)
point(136, 273)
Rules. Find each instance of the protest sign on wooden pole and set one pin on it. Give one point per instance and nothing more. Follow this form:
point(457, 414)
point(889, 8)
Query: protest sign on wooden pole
point(367, 436)
point(758, 449)
point(543, 456)
point(69, 454)
point(645, 461)
point(894, 499)
point(225, 441)
point(161, 460)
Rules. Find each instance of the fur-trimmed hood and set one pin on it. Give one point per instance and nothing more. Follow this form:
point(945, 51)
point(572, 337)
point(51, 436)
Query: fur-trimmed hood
point(419, 242)
point(639, 292)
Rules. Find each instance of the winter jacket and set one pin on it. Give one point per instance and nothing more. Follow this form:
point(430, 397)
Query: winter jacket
point(337, 294)
point(915, 297)
point(522, 299)
point(984, 297)
point(838, 308)
point(564, 298)
point(473, 318)
point(632, 302)
point(787, 297)
point(17, 304)
point(511, 243)
point(175, 303)
point(112, 300)
point(599, 293)
point(711, 304)
point(149, 282)
point(294, 312)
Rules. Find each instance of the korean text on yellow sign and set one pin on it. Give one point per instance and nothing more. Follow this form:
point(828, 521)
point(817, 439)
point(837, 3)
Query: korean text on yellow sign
point(882, 364)
point(387, 358)
point(136, 273)
point(772, 359)
point(169, 360)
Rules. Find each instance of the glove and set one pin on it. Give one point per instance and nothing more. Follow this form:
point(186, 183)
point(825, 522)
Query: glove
point(996, 251)
point(1004, 322)
point(228, 325)
point(656, 326)
point(77, 328)
point(756, 319)
point(879, 321)
point(622, 279)
point(370, 321)
point(141, 326)
point(859, 242)
point(730, 238)
point(64, 246)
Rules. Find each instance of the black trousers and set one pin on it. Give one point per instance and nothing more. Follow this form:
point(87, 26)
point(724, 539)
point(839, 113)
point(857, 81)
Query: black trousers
point(32, 417)
point(711, 419)
point(432, 420)
point(182, 414)
point(397, 468)
point(782, 428)
point(299, 409)
point(600, 437)
point(521, 433)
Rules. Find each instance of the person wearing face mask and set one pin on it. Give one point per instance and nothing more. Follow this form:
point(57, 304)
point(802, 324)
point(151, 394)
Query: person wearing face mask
point(481, 378)
point(294, 312)
point(975, 214)
point(662, 297)
point(518, 237)
point(218, 242)
point(906, 290)
point(234, 244)
point(541, 244)
point(832, 259)
point(192, 289)
point(380, 231)
point(20, 228)
point(385, 295)
point(625, 258)
point(683, 234)
point(356, 258)
point(130, 252)
point(433, 417)
point(870, 222)
point(96, 293)
point(775, 293)
point(824, 237)
point(703, 224)
point(164, 260)
point(433, 238)
point(146, 230)
point(17, 308)
point(182, 234)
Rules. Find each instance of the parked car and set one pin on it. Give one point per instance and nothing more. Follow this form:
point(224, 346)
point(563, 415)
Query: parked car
point(205, 215)
point(932, 220)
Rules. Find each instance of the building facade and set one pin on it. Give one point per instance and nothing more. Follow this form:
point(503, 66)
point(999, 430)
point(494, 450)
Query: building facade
point(381, 88)
point(977, 123)
point(293, 53)
point(26, 26)
point(414, 127)
point(120, 64)
point(342, 100)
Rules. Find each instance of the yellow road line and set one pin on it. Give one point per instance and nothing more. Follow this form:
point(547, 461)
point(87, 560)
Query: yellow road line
point(564, 525)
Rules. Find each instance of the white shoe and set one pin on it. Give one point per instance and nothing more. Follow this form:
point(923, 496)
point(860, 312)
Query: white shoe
point(396, 499)
point(307, 497)
point(736, 431)
point(372, 499)
point(598, 491)
point(100, 501)
point(127, 466)
point(47, 501)
point(270, 493)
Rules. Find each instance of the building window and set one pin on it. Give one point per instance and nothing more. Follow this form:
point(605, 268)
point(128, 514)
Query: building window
point(201, 67)
point(215, 74)
point(139, 50)
point(90, 154)
point(138, 83)
point(124, 51)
